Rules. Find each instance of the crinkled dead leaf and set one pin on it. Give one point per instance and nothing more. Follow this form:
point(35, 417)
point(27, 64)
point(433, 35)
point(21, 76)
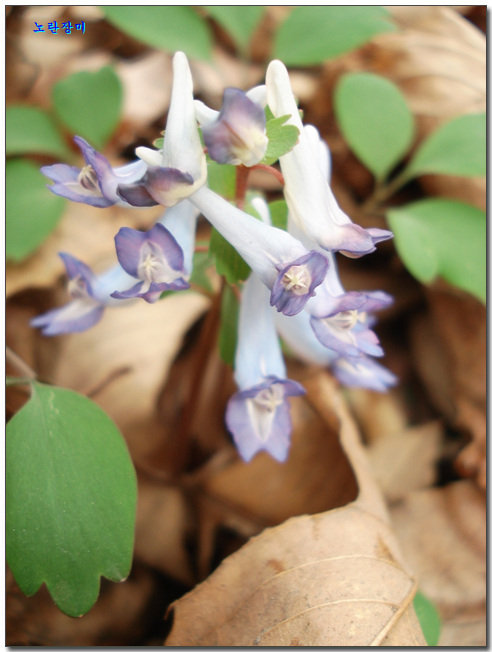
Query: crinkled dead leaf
point(135, 345)
point(403, 458)
point(450, 356)
point(335, 578)
point(442, 532)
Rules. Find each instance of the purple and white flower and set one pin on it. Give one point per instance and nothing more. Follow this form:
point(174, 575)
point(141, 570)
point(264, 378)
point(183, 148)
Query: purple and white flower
point(285, 266)
point(360, 371)
point(236, 135)
point(90, 296)
point(180, 169)
point(97, 182)
point(308, 194)
point(258, 415)
point(155, 258)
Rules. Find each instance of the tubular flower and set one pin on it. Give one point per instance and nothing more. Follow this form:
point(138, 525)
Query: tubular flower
point(155, 258)
point(97, 182)
point(308, 194)
point(236, 135)
point(90, 295)
point(285, 266)
point(180, 169)
point(350, 371)
point(258, 415)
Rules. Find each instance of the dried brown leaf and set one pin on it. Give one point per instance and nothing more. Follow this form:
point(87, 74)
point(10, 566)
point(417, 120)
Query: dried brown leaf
point(336, 578)
point(443, 536)
point(140, 339)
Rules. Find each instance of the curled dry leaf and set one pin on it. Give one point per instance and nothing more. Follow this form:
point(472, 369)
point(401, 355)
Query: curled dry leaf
point(443, 536)
point(335, 578)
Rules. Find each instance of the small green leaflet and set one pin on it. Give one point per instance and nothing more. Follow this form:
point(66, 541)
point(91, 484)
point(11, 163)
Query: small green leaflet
point(70, 498)
point(89, 104)
point(375, 120)
point(442, 237)
point(457, 147)
point(239, 20)
point(228, 262)
point(281, 139)
point(311, 34)
point(222, 179)
point(29, 130)
point(32, 212)
point(429, 619)
point(167, 27)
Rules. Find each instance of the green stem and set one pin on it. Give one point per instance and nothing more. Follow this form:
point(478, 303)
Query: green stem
point(383, 192)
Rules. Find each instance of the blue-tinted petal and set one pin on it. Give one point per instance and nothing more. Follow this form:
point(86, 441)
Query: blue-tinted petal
point(67, 185)
point(259, 418)
point(297, 281)
point(364, 372)
point(128, 243)
point(136, 194)
point(75, 317)
point(239, 133)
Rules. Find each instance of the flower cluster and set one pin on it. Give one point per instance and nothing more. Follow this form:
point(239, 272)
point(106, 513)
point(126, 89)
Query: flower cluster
point(293, 290)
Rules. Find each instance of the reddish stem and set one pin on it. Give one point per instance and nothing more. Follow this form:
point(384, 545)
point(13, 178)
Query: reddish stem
point(269, 168)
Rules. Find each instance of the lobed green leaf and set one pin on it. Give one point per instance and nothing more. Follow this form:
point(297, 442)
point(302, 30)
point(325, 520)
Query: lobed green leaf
point(70, 498)
point(32, 212)
point(442, 237)
point(89, 104)
point(167, 27)
point(312, 34)
point(375, 120)
point(281, 139)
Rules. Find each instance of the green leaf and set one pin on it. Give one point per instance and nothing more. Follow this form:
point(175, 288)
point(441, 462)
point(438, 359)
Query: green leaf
point(429, 619)
point(375, 120)
point(281, 139)
point(311, 34)
point(89, 104)
point(169, 27)
point(278, 213)
point(32, 211)
point(239, 20)
point(70, 498)
point(222, 179)
point(199, 277)
point(441, 237)
point(457, 147)
point(228, 262)
point(29, 130)
point(229, 314)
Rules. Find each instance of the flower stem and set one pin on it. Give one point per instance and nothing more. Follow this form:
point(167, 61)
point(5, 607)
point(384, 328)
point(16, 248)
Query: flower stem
point(382, 192)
